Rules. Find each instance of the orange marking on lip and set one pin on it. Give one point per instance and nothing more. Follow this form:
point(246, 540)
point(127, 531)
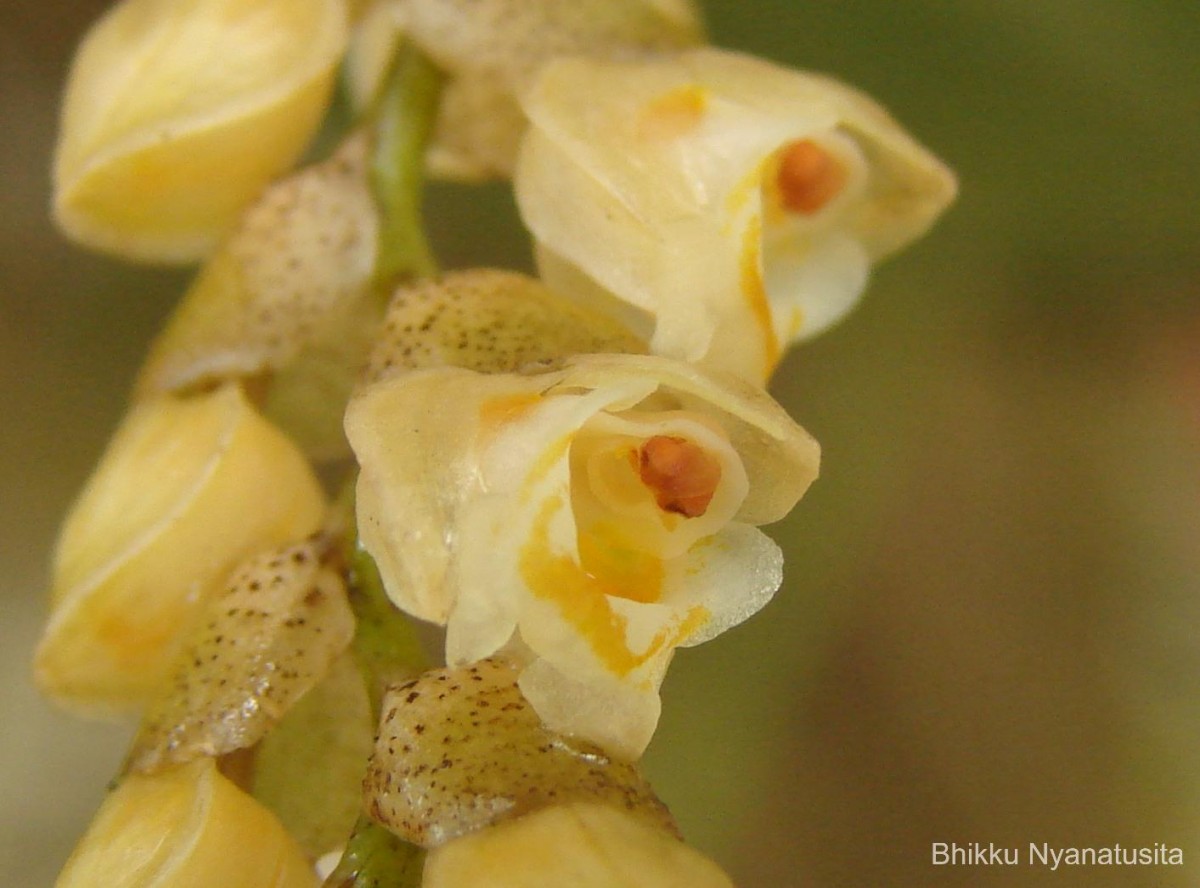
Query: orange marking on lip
point(582, 598)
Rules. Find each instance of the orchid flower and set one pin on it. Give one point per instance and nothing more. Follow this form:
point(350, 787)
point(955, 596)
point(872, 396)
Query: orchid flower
point(721, 205)
point(601, 513)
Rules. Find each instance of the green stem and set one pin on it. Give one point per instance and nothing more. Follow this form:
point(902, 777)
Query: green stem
point(403, 121)
point(385, 645)
point(374, 858)
point(388, 651)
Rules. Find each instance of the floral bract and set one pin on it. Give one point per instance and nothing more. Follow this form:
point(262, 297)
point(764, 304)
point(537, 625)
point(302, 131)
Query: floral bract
point(722, 205)
point(266, 641)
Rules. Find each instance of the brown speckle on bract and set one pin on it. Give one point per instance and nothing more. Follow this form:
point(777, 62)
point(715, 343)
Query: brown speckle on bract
point(486, 770)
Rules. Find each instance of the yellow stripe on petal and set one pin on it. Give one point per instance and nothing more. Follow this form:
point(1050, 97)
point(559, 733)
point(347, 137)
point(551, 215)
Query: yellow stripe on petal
point(754, 292)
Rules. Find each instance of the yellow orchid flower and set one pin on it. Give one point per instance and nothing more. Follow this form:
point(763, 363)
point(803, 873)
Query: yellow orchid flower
point(185, 826)
point(491, 51)
point(178, 112)
point(603, 511)
point(187, 489)
point(728, 205)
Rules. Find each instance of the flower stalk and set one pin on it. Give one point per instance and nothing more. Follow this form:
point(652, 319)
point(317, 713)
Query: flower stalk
point(403, 124)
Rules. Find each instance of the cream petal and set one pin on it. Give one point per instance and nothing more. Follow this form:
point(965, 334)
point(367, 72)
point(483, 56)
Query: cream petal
point(652, 192)
point(601, 662)
point(812, 289)
point(177, 114)
point(137, 562)
point(732, 576)
point(267, 640)
point(617, 716)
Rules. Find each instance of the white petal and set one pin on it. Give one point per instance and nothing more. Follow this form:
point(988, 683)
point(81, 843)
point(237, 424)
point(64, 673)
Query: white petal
point(617, 716)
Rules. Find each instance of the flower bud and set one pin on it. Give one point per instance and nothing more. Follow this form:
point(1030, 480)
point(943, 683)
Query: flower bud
point(187, 489)
point(265, 641)
point(178, 113)
point(491, 51)
point(190, 826)
point(733, 205)
point(605, 509)
point(581, 844)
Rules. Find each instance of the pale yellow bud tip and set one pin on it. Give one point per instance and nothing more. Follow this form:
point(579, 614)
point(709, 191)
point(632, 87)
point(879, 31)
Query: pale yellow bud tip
point(177, 114)
point(583, 845)
point(186, 826)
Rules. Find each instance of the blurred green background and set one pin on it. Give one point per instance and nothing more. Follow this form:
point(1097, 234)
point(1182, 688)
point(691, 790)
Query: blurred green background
point(989, 627)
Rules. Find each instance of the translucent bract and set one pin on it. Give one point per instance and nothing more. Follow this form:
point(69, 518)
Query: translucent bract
point(460, 749)
point(178, 112)
point(721, 205)
point(264, 642)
